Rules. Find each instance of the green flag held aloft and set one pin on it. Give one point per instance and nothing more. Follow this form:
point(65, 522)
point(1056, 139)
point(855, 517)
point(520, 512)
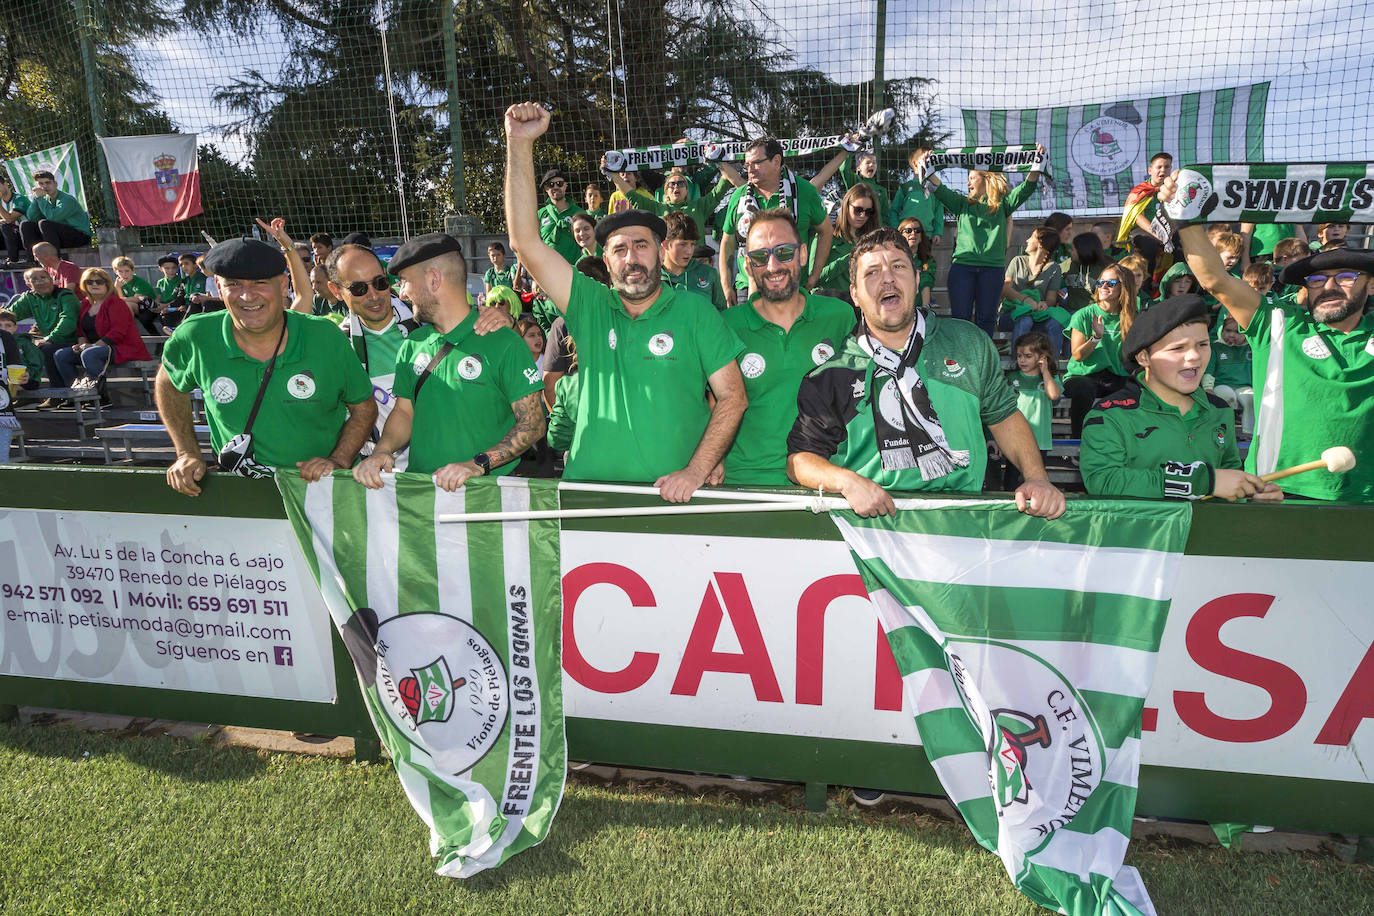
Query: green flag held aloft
point(455, 631)
point(1026, 649)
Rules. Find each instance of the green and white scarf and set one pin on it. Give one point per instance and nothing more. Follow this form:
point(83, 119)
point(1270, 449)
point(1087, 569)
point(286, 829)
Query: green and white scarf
point(1022, 158)
point(1272, 192)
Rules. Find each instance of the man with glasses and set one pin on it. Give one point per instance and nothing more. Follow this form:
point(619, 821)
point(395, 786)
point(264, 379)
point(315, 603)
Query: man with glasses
point(904, 402)
point(646, 352)
point(554, 228)
point(680, 269)
point(55, 217)
point(769, 185)
point(55, 311)
point(786, 332)
point(1316, 360)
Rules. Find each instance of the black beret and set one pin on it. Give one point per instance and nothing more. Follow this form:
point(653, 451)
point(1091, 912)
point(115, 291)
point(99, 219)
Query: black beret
point(422, 248)
point(550, 175)
point(617, 221)
point(167, 259)
point(1351, 258)
point(704, 251)
point(357, 238)
point(1153, 324)
point(245, 259)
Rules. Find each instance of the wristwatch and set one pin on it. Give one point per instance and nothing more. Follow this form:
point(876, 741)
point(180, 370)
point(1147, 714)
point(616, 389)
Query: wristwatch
point(483, 461)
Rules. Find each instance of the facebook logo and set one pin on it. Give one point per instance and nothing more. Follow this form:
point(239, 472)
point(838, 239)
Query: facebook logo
point(282, 655)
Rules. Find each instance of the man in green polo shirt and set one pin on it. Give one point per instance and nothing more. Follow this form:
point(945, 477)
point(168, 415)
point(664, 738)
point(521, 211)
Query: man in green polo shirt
point(904, 403)
point(54, 311)
point(554, 215)
point(771, 185)
point(786, 332)
point(316, 406)
point(646, 352)
point(1313, 364)
point(54, 216)
point(377, 324)
point(467, 404)
point(680, 269)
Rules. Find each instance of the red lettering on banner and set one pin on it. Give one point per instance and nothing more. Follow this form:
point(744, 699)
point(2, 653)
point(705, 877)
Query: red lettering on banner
point(887, 685)
point(1355, 705)
point(1287, 693)
point(815, 601)
point(700, 656)
point(642, 664)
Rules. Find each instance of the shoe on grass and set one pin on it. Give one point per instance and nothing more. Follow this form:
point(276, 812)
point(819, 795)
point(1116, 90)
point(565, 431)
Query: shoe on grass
point(868, 797)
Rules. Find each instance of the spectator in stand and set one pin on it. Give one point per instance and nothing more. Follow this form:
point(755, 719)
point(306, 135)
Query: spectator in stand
point(1230, 372)
point(857, 167)
point(192, 277)
point(1164, 436)
point(1266, 235)
point(903, 404)
point(1031, 284)
point(1140, 270)
point(555, 228)
point(914, 233)
point(980, 249)
point(1178, 280)
point(533, 336)
point(14, 209)
point(64, 273)
point(1037, 390)
point(499, 273)
point(1095, 335)
point(1331, 236)
point(1231, 247)
point(647, 354)
point(13, 374)
point(858, 215)
point(770, 184)
point(1141, 202)
point(32, 358)
point(677, 198)
point(106, 335)
point(54, 311)
point(1082, 270)
point(316, 406)
point(55, 217)
point(595, 200)
point(680, 270)
point(1287, 252)
point(138, 293)
point(914, 201)
point(323, 302)
point(321, 244)
point(1062, 226)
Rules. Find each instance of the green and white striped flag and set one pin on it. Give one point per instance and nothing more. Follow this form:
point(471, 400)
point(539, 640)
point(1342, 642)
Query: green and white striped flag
point(455, 631)
point(1099, 152)
point(1295, 192)
point(60, 160)
point(1026, 648)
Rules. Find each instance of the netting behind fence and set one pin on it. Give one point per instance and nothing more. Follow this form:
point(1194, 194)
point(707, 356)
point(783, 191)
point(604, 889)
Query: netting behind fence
point(291, 103)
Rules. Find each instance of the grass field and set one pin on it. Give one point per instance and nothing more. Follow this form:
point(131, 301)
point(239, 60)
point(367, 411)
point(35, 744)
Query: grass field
point(98, 823)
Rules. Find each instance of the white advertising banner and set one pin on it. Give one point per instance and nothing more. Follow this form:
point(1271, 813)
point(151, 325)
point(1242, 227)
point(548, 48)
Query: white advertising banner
point(1266, 665)
point(217, 605)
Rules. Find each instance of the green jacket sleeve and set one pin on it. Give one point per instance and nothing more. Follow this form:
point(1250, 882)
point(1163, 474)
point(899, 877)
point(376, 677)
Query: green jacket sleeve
point(952, 200)
point(847, 173)
point(1102, 459)
point(563, 415)
point(1019, 195)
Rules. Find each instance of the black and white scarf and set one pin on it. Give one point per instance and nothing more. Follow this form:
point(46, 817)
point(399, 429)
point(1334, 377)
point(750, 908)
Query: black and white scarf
point(916, 439)
point(748, 206)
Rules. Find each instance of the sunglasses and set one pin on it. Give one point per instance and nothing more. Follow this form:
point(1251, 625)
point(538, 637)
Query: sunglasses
point(96, 283)
point(1345, 279)
point(556, 184)
point(912, 230)
point(784, 253)
point(862, 211)
point(359, 288)
point(1106, 284)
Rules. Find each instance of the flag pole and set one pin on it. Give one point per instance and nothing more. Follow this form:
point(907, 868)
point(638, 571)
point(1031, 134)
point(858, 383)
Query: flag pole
point(796, 505)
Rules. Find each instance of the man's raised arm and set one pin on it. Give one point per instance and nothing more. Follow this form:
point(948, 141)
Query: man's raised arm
point(1239, 297)
point(525, 123)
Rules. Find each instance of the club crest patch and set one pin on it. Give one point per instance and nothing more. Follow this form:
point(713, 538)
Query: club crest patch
point(223, 390)
point(301, 385)
point(1315, 347)
point(752, 365)
point(469, 367)
point(952, 369)
point(822, 352)
point(610, 338)
point(421, 362)
point(661, 344)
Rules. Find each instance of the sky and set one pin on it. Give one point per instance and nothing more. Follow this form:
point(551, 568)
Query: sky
point(1016, 54)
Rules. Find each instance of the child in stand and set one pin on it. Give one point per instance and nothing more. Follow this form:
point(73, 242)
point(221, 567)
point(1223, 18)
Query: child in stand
point(1037, 390)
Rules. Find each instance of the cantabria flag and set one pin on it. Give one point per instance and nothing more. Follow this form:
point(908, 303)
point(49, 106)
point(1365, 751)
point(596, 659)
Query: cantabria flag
point(455, 632)
point(1026, 648)
point(60, 160)
point(1099, 152)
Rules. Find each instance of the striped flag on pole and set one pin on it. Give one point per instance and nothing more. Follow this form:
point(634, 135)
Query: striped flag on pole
point(60, 160)
point(1026, 649)
point(455, 632)
point(1099, 152)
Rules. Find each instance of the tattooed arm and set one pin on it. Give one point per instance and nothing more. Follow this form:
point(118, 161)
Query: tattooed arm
point(529, 426)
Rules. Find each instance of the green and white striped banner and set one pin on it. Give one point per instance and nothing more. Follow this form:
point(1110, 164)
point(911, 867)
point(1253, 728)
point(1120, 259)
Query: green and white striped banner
point(1022, 158)
point(1099, 152)
point(1026, 648)
point(60, 160)
point(455, 631)
point(632, 159)
point(1298, 192)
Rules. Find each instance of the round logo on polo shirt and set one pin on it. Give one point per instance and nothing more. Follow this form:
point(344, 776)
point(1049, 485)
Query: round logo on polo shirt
point(301, 385)
point(421, 362)
point(661, 344)
point(821, 352)
point(752, 365)
point(1315, 347)
point(610, 339)
point(223, 390)
point(470, 367)
point(1369, 347)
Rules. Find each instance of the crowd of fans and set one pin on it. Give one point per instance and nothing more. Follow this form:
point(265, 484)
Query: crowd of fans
point(612, 339)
